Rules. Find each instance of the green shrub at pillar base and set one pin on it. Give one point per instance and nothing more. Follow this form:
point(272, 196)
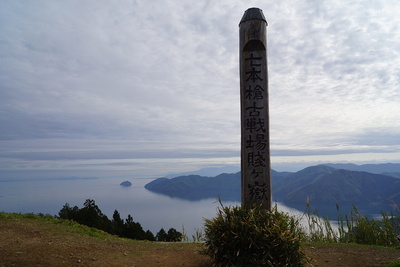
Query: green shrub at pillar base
point(253, 237)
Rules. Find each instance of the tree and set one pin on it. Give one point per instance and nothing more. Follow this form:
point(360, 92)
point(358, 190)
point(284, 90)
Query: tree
point(149, 236)
point(133, 230)
point(68, 213)
point(92, 216)
point(117, 224)
point(173, 235)
point(161, 235)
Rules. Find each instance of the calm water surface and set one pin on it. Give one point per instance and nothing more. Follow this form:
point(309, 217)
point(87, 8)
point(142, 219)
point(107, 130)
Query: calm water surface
point(152, 211)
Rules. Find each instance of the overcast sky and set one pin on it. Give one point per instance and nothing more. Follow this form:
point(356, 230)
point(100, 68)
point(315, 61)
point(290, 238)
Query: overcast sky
point(152, 87)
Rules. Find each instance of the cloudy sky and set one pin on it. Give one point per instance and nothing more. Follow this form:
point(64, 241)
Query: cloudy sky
point(152, 87)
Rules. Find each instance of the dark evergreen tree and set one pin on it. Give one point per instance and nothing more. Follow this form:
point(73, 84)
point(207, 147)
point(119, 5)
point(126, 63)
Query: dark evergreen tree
point(173, 235)
point(133, 230)
point(150, 236)
point(91, 215)
point(117, 224)
point(68, 213)
point(161, 235)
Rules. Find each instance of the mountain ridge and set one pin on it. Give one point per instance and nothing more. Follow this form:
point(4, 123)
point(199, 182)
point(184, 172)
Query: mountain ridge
point(320, 185)
point(372, 168)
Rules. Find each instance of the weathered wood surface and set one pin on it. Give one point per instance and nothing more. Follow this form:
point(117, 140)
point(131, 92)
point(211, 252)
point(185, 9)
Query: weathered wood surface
point(255, 152)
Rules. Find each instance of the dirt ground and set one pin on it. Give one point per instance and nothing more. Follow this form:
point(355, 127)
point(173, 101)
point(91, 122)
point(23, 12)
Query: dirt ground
point(29, 243)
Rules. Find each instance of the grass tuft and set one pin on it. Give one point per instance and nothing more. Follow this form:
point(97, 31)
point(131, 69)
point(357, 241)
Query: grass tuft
point(354, 228)
point(253, 237)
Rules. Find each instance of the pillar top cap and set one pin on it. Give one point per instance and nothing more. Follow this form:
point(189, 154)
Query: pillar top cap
point(253, 13)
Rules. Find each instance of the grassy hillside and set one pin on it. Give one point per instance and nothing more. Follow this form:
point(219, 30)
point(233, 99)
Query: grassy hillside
point(28, 240)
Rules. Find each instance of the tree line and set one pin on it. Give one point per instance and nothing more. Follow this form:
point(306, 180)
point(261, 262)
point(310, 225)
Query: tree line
point(91, 215)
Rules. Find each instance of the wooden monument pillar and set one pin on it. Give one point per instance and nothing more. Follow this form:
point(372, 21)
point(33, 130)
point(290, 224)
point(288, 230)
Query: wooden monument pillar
point(255, 154)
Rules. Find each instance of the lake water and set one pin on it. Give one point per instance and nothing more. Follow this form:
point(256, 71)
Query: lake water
point(152, 211)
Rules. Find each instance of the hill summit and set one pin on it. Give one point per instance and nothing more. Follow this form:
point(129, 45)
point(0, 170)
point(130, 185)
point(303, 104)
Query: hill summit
point(321, 184)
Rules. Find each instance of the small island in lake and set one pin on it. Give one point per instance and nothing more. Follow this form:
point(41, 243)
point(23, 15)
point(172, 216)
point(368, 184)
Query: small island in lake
point(126, 184)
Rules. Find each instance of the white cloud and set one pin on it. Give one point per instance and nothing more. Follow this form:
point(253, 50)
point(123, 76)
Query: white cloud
point(163, 72)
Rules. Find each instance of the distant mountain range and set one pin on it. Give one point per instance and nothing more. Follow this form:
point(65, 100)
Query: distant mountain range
point(391, 169)
point(210, 172)
point(322, 185)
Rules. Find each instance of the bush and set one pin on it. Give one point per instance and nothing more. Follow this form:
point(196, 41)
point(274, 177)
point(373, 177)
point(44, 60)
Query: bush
point(253, 237)
point(370, 231)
